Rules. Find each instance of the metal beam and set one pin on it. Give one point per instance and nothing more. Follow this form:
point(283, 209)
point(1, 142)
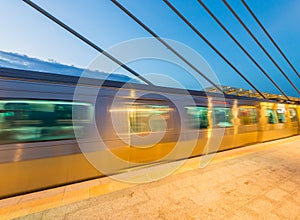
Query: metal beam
point(258, 43)
point(242, 48)
point(164, 43)
point(269, 36)
point(82, 38)
point(212, 46)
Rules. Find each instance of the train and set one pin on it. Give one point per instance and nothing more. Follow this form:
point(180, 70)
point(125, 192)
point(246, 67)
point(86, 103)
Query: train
point(48, 137)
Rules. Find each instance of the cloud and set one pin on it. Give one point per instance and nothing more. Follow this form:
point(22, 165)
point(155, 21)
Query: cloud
point(18, 61)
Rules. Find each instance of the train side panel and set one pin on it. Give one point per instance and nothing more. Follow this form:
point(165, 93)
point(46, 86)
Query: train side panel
point(205, 127)
point(276, 121)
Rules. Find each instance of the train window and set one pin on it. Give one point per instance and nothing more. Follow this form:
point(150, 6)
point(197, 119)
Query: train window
point(149, 118)
point(281, 115)
point(272, 119)
point(222, 117)
point(197, 117)
point(247, 115)
point(293, 115)
point(38, 120)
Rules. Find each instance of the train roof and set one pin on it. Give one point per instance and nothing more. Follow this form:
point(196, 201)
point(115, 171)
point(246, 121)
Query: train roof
point(36, 76)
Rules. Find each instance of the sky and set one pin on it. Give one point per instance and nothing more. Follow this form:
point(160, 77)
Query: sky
point(26, 31)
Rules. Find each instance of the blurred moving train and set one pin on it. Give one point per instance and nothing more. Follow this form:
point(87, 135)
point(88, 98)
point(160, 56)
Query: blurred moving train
point(38, 119)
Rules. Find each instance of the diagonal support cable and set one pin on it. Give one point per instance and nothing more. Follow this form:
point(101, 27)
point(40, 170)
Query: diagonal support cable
point(259, 44)
point(212, 46)
point(241, 47)
point(164, 43)
point(270, 37)
point(82, 38)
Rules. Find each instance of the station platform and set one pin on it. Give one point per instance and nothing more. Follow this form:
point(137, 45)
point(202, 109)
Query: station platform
point(260, 181)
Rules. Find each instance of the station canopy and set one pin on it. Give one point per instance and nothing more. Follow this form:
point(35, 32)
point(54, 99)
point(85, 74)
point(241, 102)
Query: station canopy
point(251, 93)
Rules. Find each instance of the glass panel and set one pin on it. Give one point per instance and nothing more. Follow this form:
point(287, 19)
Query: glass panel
point(247, 116)
point(281, 115)
point(37, 120)
point(293, 115)
point(147, 118)
point(197, 117)
point(272, 119)
point(222, 117)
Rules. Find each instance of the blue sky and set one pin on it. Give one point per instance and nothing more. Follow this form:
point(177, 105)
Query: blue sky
point(25, 31)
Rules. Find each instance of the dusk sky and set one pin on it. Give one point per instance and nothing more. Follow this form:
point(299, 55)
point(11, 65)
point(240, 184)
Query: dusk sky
point(25, 31)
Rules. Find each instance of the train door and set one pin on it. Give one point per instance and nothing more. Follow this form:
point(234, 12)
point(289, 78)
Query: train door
point(197, 126)
point(223, 126)
point(298, 115)
point(274, 121)
point(247, 125)
point(293, 119)
point(152, 130)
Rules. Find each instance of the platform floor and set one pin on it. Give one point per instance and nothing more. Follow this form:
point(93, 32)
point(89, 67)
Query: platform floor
point(261, 181)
